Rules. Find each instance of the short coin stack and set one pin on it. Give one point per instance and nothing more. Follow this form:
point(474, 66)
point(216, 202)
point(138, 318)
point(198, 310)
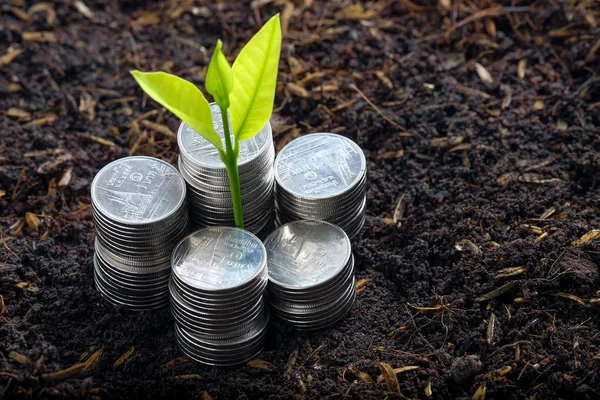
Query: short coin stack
point(209, 194)
point(217, 295)
point(311, 274)
point(322, 176)
point(140, 214)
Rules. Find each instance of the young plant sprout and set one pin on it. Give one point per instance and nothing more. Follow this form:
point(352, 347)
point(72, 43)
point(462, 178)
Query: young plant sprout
point(244, 92)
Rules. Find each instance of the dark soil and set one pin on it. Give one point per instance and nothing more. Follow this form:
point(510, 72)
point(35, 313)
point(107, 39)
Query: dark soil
point(495, 174)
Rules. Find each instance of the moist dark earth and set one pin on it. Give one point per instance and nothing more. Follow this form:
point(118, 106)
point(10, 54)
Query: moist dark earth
point(479, 119)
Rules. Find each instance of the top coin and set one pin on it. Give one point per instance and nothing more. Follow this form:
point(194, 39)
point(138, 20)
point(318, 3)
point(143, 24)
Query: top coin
point(218, 258)
point(306, 254)
point(200, 151)
point(138, 190)
point(319, 166)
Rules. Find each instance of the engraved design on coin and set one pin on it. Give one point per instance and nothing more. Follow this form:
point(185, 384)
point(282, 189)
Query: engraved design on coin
point(303, 254)
point(202, 152)
point(138, 190)
point(319, 165)
point(218, 258)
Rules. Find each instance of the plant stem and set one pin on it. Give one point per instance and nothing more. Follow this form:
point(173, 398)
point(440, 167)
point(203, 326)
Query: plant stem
point(230, 159)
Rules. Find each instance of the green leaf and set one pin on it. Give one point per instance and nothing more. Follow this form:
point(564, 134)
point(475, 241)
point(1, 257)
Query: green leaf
point(183, 99)
point(219, 79)
point(255, 79)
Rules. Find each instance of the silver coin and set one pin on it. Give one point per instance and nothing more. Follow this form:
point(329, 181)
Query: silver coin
point(247, 171)
point(252, 192)
point(322, 206)
point(157, 285)
point(328, 322)
point(220, 299)
point(337, 216)
point(259, 231)
point(210, 317)
point(131, 305)
point(252, 224)
point(102, 223)
point(318, 310)
point(235, 351)
point(223, 333)
point(125, 246)
point(224, 330)
point(319, 166)
point(218, 258)
point(223, 360)
point(167, 242)
point(305, 254)
point(248, 205)
point(351, 224)
point(343, 221)
point(131, 295)
point(307, 321)
point(215, 331)
point(134, 255)
point(353, 233)
point(148, 280)
point(253, 214)
point(227, 344)
point(262, 220)
point(130, 265)
point(255, 217)
point(201, 152)
point(202, 182)
point(230, 344)
point(219, 362)
point(224, 309)
point(130, 282)
point(312, 298)
point(138, 190)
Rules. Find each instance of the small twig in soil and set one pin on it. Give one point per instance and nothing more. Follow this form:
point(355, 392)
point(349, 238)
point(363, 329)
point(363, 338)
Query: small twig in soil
point(312, 354)
point(488, 12)
point(5, 243)
point(497, 292)
point(365, 98)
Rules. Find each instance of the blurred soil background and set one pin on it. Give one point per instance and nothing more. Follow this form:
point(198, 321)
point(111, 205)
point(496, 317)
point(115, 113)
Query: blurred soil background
point(477, 269)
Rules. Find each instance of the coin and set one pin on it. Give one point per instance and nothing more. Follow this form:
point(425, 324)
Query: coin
point(207, 180)
point(217, 292)
point(218, 259)
point(306, 254)
point(311, 273)
point(319, 166)
point(140, 214)
point(138, 190)
point(203, 154)
point(321, 176)
point(224, 352)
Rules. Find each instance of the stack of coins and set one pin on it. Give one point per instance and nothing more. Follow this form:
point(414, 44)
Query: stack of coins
point(217, 295)
point(140, 214)
point(311, 274)
point(209, 195)
point(322, 176)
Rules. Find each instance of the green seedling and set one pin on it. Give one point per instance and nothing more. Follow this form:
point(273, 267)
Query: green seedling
point(244, 92)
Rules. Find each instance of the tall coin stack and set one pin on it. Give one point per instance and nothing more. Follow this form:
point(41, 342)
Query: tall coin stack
point(209, 195)
point(140, 214)
point(217, 295)
point(322, 176)
point(311, 274)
